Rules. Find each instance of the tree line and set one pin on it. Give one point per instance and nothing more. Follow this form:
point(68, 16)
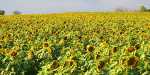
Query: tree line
point(3, 12)
point(141, 9)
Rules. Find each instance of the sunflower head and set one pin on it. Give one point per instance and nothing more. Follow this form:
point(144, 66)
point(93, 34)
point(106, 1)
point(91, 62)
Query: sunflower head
point(100, 65)
point(131, 49)
point(133, 61)
point(69, 63)
point(9, 35)
point(97, 56)
point(61, 42)
point(146, 36)
point(30, 55)
point(147, 26)
point(80, 37)
point(65, 22)
point(137, 46)
point(55, 64)
point(104, 44)
point(90, 48)
point(45, 44)
point(13, 53)
point(65, 38)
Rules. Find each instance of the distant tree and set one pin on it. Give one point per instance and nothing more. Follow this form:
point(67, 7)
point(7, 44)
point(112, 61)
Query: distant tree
point(16, 12)
point(2, 12)
point(121, 9)
point(148, 10)
point(143, 8)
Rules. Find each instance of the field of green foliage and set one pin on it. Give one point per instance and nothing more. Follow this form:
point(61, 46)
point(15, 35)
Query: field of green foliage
point(75, 44)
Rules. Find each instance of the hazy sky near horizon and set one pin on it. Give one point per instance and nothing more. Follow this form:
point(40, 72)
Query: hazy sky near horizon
point(48, 6)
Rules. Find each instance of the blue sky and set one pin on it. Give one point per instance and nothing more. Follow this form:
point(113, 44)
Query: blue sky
point(48, 6)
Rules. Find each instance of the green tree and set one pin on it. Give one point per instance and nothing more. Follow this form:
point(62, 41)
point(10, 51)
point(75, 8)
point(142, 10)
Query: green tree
point(143, 8)
point(2, 12)
point(16, 12)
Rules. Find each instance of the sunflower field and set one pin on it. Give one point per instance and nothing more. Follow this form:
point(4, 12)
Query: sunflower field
point(75, 44)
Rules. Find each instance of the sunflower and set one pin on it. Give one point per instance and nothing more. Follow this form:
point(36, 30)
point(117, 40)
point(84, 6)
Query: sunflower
point(147, 26)
point(65, 38)
point(9, 35)
point(49, 50)
point(103, 44)
point(45, 44)
point(137, 46)
point(131, 49)
point(55, 64)
point(90, 48)
point(61, 42)
point(64, 22)
point(97, 56)
point(114, 49)
point(13, 53)
point(69, 63)
point(146, 36)
point(80, 37)
point(100, 65)
point(30, 55)
point(133, 61)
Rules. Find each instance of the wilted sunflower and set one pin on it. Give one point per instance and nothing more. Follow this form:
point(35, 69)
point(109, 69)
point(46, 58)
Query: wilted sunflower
point(133, 61)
